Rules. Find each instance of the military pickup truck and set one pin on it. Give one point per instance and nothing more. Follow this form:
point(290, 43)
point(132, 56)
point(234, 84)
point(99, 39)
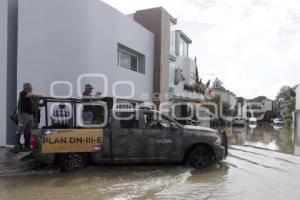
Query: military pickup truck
point(126, 136)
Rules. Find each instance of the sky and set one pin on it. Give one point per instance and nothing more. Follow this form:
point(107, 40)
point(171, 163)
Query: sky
point(253, 46)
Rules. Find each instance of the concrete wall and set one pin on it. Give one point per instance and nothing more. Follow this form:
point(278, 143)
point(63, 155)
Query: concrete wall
point(60, 40)
point(298, 98)
point(268, 105)
point(157, 20)
point(8, 66)
point(3, 69)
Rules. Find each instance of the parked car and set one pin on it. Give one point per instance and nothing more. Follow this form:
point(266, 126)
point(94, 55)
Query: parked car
point(252, 121)
point(131, 136)
point(278, 121)
point(239, 121)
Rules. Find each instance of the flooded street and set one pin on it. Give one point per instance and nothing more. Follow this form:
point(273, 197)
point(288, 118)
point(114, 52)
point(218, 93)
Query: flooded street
point(254, 169)
point(266, 136)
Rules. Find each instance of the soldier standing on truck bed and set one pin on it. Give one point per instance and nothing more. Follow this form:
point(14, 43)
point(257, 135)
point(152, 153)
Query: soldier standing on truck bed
point(25, 117)
point(89, 114)
point(88, 91)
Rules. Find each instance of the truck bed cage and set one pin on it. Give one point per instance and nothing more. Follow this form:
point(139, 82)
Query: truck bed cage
point(72, 101)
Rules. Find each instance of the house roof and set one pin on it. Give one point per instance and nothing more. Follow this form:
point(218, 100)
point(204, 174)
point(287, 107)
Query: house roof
point(184, 36)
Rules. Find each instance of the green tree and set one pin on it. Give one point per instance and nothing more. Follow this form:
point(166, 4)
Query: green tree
point(197, 76)
point(287, 101)
point(240, 100)
point(218, 84)
point(285, 93)
point(226, 109)
point(288, 119)
point(260, 98)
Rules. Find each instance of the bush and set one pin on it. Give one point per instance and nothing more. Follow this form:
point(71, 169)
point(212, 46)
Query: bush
point(198, 88)
point(288, 119)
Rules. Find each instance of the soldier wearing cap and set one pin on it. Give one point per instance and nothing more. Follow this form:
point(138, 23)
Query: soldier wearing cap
point(88, 113)
point(25, 116)
point(88, 91)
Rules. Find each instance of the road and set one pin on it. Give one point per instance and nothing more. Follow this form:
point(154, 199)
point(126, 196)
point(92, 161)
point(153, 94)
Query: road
point(254, 169)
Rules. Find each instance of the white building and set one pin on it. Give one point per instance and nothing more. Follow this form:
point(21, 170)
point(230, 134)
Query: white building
point(225, 96)
point(64, 40)
point(267, 104)
point(59, 46)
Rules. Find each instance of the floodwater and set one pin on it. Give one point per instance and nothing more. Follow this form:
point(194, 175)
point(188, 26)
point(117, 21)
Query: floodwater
point(266, 136)
point(262, 165)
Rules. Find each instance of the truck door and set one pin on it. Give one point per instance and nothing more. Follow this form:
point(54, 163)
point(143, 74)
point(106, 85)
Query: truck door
point(126, 137)
point(162, 139)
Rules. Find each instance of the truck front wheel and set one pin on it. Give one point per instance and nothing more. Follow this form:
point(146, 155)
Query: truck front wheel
point(72, 161)
point(199, 157)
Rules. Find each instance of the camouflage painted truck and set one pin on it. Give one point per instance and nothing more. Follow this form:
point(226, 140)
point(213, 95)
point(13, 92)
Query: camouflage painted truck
point(122, 136)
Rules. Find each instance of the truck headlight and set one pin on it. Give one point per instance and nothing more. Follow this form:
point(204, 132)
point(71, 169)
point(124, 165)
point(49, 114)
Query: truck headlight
point(218, 141)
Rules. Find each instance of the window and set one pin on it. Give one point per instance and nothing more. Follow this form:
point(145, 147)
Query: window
point(171, 77)
point(127, 104)
point(124, 59)
point(131, 59)
point(128, 120)
point(172, 39)
point(133, 63)
point(92, 115)
point(183, 48)
point(156, 121)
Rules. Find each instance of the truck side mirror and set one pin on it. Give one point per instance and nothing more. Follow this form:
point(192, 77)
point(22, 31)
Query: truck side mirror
point(173, 125)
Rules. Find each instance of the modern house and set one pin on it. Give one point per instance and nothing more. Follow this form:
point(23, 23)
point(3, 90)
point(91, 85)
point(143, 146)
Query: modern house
point(74, 42)
point(174, 71)
point(225, 96)
point(61, 45)
point(261, 107)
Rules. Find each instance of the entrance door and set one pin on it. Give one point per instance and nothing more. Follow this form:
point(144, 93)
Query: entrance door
point(126, 137)
point(163, 138)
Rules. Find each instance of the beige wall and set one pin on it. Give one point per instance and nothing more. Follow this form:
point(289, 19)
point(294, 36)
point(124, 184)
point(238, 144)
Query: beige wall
point(157, 20)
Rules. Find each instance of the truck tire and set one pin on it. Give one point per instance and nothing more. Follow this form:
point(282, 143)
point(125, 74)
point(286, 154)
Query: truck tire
point(225, 143)
point(199, 157)
point(72, 161)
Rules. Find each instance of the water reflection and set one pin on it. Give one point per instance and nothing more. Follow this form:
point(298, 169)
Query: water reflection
point(266, 136)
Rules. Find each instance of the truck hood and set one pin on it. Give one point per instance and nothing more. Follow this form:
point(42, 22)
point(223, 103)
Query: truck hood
point(191, 127)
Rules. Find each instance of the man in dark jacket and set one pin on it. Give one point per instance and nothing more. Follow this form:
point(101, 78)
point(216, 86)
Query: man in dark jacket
point(25, 114)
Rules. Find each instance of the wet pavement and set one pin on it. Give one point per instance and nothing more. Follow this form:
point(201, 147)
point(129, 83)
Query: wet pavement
point(266, 136)
point(255, 169)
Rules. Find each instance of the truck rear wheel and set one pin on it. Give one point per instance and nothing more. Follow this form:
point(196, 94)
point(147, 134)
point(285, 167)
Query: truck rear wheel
point(199, 157)
point(72, 161)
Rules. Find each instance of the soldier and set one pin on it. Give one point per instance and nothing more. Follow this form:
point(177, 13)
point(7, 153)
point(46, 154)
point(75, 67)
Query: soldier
point(25, 117)
point(88, 91)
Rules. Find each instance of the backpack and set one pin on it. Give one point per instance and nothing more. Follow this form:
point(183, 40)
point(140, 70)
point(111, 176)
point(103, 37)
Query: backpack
point(14, 115)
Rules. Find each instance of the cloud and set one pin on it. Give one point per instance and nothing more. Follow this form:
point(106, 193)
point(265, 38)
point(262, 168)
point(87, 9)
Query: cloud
point(252, 45)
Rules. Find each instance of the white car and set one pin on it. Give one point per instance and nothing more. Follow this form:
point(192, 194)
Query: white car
point(278, 121)
point(252, 121)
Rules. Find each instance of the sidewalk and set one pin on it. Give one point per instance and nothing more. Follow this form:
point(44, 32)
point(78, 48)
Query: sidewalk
point(10, 162)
